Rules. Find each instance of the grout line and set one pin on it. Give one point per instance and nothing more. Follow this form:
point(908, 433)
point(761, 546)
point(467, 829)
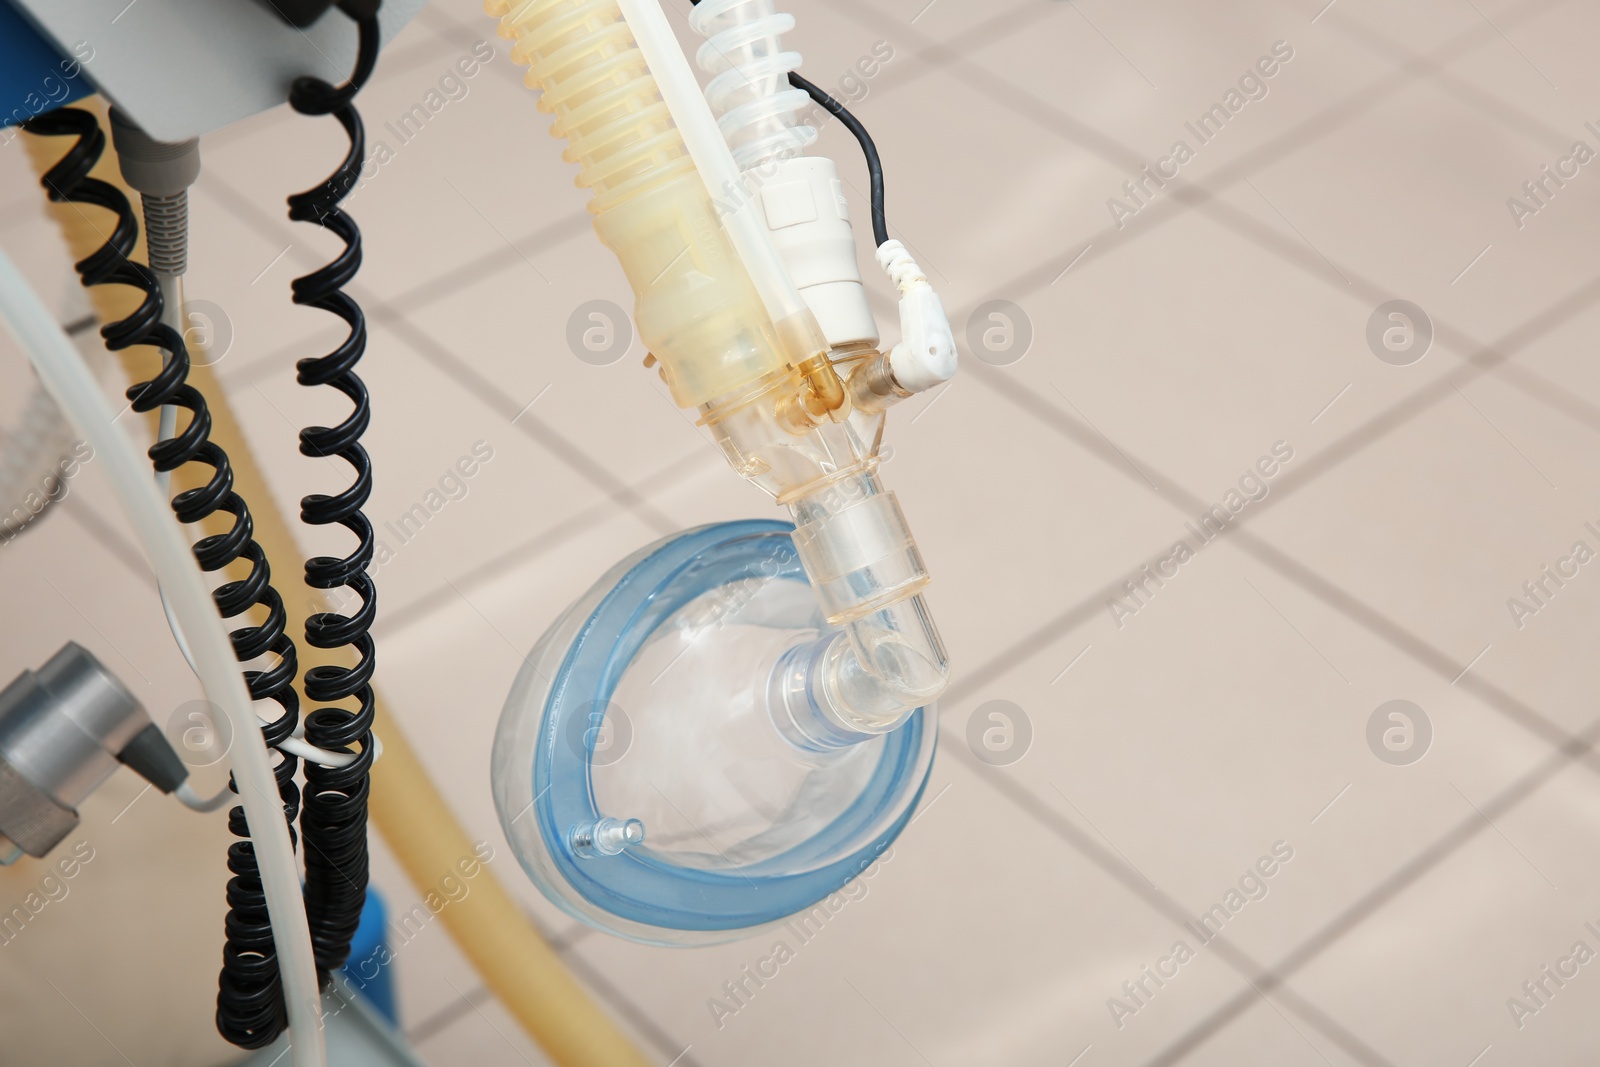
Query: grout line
point(530, 550)
point(553, 442)
point(1102, 836)
point(1114, 446)
point(628, 1009)
point(1354, 609)
point(463, 34)
point(468, 378)
point(1510, 117)
point(877, 1011)
point(444, 1017)
point(1504, 838)
point(1407, 875)
point(1202, 199)
point(1056, 823)
point(1267, 1001)
point(1297, 230)
point(1330, 457)
point(252, 372)
point(498, 231)
point(1112, 45)
point(520, 654)
point(479, 1011)
point(490, 262)
point(1296, 629)
point(1514, 47)
point(1507, 440)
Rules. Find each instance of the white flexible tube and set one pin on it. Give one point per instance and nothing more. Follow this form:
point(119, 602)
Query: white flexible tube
point(166, 426)
point(63, 372)
point(712, 158)
point(750, 85)
point(195, 802)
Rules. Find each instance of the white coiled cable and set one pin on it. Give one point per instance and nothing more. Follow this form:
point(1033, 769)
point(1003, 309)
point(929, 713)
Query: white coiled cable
point(759, 111)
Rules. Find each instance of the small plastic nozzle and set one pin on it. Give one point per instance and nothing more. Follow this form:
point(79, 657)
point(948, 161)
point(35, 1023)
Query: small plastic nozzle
point(606, 837)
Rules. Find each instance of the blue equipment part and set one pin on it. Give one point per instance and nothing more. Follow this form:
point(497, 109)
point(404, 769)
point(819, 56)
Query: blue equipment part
point(35, 75)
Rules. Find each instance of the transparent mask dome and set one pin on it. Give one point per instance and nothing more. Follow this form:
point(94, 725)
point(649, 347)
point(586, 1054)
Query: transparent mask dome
point(641, 775)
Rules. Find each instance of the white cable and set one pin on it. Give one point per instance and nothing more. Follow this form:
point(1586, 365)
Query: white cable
point(63, 372)
point(307, 751)
point(295, 745)
point(190, 799)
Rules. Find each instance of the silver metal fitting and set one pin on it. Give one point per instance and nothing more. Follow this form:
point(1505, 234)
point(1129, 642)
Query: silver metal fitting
point(63, 730)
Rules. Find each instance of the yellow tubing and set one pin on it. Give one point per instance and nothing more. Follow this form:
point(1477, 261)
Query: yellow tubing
point(697, 310)
point(517, 964)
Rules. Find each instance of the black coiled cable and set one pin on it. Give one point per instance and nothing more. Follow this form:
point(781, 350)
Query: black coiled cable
point(250, 1009)
point(333, 819)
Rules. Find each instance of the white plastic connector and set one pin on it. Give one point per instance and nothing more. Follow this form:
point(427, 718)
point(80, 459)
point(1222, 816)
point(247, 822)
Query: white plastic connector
point(803, 204)
point(801, 197)
point(926, 354)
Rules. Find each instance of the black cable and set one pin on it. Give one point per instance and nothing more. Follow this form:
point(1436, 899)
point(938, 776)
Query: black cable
point(880, 223)
point(250, 1008)
point(333, 819)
